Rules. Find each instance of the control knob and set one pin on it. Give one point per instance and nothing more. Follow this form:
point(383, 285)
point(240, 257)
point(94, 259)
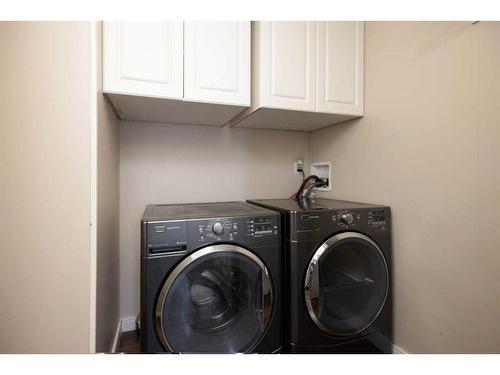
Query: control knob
point(347, 218)
point(218, 228)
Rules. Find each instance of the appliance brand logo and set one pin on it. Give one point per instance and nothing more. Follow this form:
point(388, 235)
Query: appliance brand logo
point(308, 217)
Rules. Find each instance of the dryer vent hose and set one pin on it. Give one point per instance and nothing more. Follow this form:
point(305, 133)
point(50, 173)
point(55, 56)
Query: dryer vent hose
point(318, 182)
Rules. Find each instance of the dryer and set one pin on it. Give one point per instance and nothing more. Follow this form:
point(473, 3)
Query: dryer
point(337, 275)
point(210, 279)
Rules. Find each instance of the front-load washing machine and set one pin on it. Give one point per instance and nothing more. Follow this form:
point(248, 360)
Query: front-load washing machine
point(337, 279)
point(210, 279)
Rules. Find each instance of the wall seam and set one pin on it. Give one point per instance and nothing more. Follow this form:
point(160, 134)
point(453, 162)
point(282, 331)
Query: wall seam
point(93, 187)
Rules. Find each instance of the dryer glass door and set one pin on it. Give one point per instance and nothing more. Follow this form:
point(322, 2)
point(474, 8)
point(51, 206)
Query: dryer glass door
point(346, 284)
point(217, 300)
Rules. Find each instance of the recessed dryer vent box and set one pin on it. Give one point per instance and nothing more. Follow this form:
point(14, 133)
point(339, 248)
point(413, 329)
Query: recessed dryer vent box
point(323, 170)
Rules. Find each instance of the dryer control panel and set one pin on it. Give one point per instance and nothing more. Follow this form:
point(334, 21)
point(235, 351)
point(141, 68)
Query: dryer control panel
point(346, 219)
point(309, 226)
point(377, 217)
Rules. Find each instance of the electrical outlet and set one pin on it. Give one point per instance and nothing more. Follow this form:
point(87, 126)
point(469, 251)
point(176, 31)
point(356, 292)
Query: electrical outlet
point(298, 167)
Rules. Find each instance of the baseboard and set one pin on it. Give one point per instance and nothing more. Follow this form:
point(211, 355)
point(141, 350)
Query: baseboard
point(397, 350)
point(124, 325)
point(118, 335)
point(128, 324)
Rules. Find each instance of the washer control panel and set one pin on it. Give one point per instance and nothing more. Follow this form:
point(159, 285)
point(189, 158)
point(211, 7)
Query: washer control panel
point(347, 218)
point(261, 226)
point(245, 230)
point(216, 229)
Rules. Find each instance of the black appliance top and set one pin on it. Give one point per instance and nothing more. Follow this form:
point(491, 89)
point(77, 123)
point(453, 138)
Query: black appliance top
point(202, 210)
point(311, 204)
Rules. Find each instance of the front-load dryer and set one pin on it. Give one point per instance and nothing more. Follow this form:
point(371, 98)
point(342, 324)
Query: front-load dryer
point(210, 279)
point(337, 275)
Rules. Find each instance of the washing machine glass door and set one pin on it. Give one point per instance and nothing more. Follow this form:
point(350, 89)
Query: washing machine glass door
point(217, 300)
point(346, 284)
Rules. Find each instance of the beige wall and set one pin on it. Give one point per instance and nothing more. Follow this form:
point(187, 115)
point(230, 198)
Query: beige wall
point(488, 184)
point(429, 146)
point(44, 187)
point(178, 163)
point(107, 273)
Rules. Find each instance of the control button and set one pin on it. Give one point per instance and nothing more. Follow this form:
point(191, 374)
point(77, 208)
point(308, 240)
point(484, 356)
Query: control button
point(218, 228)
point(235, 227)
point(347, 218)
point(200, 229)
point(230, 236)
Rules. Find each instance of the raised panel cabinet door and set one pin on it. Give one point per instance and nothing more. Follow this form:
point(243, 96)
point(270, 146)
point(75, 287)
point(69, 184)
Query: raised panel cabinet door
point(143, 58)
point(340, 67)
point(217, 62)
point(288, 65)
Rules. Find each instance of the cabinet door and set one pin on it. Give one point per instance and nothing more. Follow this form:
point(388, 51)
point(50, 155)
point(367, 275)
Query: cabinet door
point(340, 67)
point(217, 62)
point(288, 64)
point(143, 58)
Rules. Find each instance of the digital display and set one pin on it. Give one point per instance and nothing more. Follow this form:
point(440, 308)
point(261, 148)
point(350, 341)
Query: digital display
point(262, 220)
point(263, 225)
point(263, 228)
point(377, 217)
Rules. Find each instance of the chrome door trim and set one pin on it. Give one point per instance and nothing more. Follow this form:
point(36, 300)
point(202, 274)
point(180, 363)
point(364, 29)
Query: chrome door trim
point(311, 282)
point(267, 292)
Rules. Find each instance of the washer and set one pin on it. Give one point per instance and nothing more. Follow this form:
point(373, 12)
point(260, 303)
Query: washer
point(210, 279)
point(337, 275)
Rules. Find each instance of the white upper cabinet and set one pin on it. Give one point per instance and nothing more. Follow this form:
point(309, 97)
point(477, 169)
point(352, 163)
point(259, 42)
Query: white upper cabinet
point(144, 58)
point(217, 62)
point(177, 72)
point(305, 75)
point(340, 67)
point(287, 65)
